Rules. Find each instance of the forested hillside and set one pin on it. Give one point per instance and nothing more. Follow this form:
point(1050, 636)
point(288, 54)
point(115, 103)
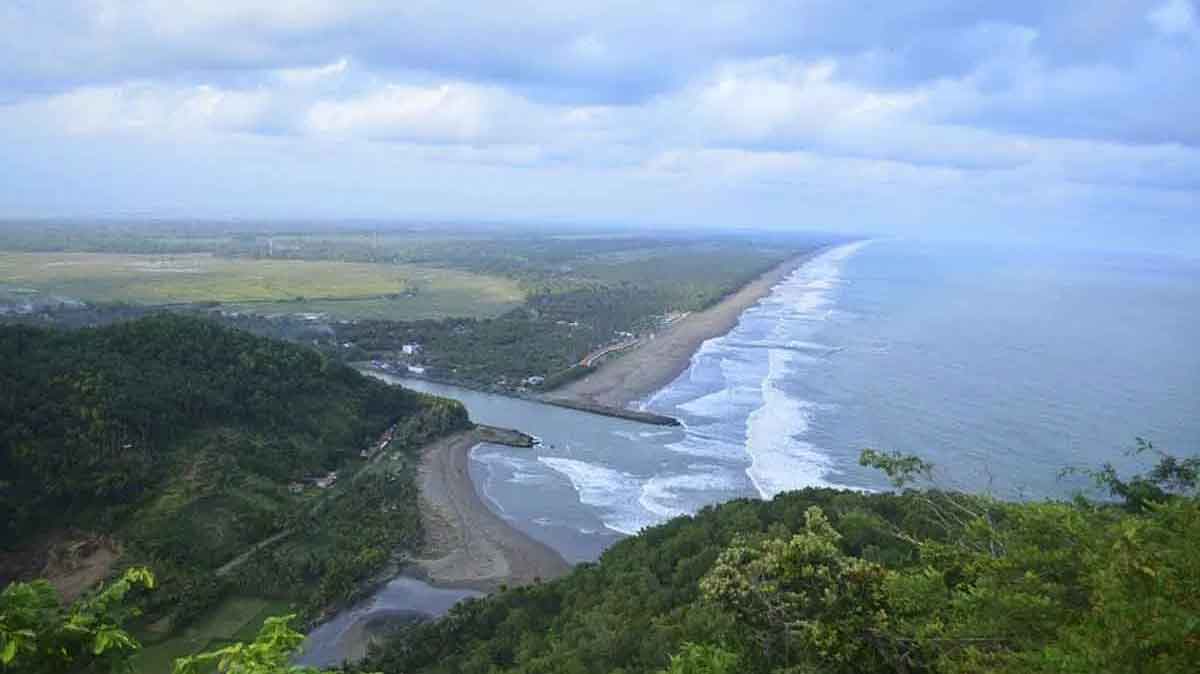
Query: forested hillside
point(827, 581)
point(187, 443)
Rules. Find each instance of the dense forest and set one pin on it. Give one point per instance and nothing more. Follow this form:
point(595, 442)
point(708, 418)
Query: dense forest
point(815, 581)
point(827, 581)
point(188, 443)
point(563, 318)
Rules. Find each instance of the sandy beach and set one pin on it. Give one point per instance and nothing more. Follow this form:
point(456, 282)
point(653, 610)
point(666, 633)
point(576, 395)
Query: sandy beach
point(657, 362)
point(468, 545)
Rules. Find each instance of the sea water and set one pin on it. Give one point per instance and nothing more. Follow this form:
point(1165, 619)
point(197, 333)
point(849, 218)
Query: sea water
point(1000, 365)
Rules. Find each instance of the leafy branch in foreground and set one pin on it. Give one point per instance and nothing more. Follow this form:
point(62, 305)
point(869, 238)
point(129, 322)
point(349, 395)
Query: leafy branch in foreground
point(267, 654)
point(39, 635)
point(902, 469)
point(1170, 477)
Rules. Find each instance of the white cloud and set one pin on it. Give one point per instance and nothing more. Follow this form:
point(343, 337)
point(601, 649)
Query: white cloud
point(173, 18)
point(781, 100)
point(989, 108)
point(1175, 17)
point(299, 76)
point(148, 108)
point(443, 113)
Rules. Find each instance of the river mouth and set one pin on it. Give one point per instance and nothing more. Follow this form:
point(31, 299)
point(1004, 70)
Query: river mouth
point(401, 602)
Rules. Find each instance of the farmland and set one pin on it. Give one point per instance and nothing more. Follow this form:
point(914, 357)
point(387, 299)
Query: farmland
point(340, 289)
point(490, 306)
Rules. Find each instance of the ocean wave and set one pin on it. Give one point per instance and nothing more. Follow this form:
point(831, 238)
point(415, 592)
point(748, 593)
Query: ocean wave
point(612, 492)
point(730, 381)
point(721, 403)
point(654, 434)
point(628, 435)
point(779, 459)
point(497, 463)
point(707, 446)
point(661, 494)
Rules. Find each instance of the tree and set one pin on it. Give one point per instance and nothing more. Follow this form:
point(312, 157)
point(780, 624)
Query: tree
point(1171, 477)
point(804, 601)
point(702, 659)
point(267, 654)
point(902, 469)
point(38, 635)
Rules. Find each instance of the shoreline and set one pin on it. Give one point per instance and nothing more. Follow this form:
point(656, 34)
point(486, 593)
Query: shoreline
point(468, 546)
point(657, 362)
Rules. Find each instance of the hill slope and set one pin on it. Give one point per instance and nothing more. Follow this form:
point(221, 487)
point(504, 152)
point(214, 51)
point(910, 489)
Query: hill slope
point(179, 438)
point(824, 581)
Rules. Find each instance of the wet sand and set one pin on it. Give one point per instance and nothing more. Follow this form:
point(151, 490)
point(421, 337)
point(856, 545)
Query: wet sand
point(657, 362)
point(468, 545)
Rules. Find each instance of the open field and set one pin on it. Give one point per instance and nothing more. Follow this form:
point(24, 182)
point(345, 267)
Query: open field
point(235, 619)
point(343, 289)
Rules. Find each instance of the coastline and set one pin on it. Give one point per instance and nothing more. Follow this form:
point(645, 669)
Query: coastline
point(649, 367)
point(469, 546)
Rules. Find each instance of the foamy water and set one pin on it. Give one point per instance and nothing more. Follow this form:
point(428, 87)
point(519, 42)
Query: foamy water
point(732, 398)
point(616, 495)
point(1000, 366)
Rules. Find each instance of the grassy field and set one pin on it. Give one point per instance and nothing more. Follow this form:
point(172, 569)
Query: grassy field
point(343, 289)
point(235, 619)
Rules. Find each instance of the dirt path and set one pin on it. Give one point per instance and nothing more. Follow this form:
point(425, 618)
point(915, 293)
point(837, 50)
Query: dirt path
point(241, 559)
point(468, 545)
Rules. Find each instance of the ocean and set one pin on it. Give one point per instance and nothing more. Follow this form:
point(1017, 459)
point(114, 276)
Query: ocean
point(1001, 365)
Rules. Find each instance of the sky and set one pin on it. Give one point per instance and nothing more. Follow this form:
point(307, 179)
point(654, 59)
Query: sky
point(1024, 120)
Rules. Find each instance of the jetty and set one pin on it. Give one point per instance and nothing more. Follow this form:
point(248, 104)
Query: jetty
point(504, 436)
point(609, 411)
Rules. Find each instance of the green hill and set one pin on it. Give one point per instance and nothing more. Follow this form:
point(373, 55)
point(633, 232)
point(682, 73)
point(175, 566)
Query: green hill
point(188, 443)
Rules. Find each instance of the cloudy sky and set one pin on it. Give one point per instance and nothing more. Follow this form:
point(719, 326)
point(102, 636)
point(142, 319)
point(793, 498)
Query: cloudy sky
point(1021, 119)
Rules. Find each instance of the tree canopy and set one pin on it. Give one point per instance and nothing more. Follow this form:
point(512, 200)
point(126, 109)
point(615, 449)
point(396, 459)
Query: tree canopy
point(826, 581)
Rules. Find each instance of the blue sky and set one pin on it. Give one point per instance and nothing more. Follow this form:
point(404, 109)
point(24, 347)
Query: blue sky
point(1043, 121)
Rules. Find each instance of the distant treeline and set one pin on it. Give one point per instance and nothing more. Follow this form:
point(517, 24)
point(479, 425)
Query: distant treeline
point(561, 321)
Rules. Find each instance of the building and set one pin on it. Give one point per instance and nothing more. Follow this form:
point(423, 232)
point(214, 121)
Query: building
point(416, 369)
point(411, 349)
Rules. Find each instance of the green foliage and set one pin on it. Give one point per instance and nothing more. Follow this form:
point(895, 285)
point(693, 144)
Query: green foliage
point(180, 436)
point(1171, 476)
point(633, 609)
point(702, 659)
point(803, 600)
point(902, 469)
point(38, 635)
point(93, 418)
point(597, 289)
point(269, 653)
point(819, 581)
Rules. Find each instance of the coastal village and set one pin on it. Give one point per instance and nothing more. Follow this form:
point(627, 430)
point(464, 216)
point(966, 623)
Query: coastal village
point(406, 362)
point(370, 453)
